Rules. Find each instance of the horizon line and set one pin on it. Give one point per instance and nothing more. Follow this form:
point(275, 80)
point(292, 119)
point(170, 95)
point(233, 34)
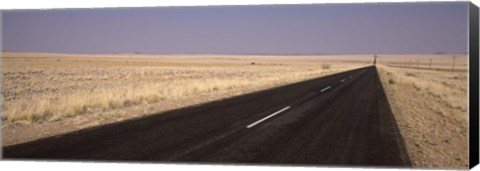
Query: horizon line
point(259, 54)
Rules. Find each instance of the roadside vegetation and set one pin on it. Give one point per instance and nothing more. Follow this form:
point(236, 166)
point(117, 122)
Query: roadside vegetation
point(431, 110)
point(48, 89)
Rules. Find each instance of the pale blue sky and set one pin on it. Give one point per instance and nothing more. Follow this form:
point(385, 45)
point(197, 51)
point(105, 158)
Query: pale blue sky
point(278, 29)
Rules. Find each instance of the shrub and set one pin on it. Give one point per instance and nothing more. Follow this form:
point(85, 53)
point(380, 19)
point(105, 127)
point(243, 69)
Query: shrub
point(409, 74)
point(326, 66)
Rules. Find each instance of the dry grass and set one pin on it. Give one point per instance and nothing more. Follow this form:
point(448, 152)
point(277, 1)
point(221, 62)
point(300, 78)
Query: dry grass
point(432, 62)
point(43, 88)
point(431, 110)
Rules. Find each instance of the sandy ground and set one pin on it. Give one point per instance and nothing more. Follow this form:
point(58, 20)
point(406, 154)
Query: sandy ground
point(430, 107)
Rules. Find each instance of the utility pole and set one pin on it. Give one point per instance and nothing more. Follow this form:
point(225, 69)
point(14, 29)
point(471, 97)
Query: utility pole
point(430, 63)
point(453, 63)
point(374, 59)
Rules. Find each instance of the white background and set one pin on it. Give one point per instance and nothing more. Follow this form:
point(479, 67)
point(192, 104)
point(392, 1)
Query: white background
point(83, 166)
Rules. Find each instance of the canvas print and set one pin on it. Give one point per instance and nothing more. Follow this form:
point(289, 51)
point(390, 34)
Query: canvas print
point(342, 85)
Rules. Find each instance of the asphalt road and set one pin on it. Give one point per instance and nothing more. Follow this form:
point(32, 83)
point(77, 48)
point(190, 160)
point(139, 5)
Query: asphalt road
point(342, 119)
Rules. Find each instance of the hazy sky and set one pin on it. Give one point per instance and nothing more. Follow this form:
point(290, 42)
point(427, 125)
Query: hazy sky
point(280, 29)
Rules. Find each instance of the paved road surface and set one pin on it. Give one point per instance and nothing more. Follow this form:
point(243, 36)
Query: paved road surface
point(342, 119)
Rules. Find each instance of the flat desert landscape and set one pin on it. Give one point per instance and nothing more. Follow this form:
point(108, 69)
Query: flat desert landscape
point(51, 94)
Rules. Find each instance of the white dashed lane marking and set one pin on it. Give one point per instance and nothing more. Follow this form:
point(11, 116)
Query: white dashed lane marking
point(326, 88)
point(269, 116)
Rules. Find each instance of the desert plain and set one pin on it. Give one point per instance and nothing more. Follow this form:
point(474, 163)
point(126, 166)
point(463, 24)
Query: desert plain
point(50, 94)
